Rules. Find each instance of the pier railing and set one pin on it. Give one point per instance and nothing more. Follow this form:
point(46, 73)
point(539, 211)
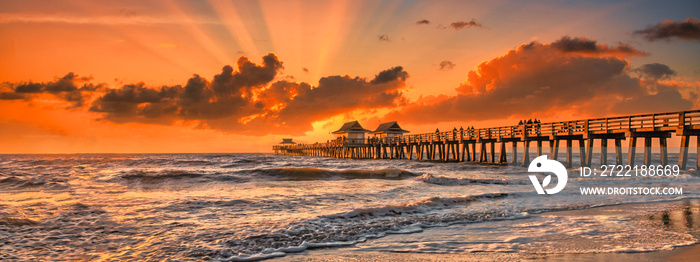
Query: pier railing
point(609, 124)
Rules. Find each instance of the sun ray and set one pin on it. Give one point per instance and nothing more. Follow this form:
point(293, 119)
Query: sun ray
point(204, 39)
point(230, 17)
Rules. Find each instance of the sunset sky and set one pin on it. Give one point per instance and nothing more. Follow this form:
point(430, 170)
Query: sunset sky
point(237, 76)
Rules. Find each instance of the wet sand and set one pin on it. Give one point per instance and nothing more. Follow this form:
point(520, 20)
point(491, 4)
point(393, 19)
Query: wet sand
point(690, 253)
point(656, 211)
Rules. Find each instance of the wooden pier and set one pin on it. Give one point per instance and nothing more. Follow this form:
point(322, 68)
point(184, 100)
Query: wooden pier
point(462, 145)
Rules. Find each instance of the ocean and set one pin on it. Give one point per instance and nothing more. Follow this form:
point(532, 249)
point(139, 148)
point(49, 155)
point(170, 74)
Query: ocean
point(232, 207)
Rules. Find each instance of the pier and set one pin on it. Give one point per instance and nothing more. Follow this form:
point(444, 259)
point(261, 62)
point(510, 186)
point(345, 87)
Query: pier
point(488, 145)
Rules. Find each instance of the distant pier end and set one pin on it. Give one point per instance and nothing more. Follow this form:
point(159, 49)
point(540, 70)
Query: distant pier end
point(390, 141)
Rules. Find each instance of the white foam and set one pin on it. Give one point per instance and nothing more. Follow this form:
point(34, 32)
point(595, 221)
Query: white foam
point(280, 252)
point(255, 257)
point(458, 181)
point(408, 230)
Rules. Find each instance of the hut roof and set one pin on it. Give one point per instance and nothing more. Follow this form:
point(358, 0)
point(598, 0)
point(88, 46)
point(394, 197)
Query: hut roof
point(287, 141)
point(389, 127)
point(353, 126)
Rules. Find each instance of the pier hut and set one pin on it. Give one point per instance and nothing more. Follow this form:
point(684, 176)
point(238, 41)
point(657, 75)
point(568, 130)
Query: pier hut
point(286, 142)
point(351, 133)
point(389, 130)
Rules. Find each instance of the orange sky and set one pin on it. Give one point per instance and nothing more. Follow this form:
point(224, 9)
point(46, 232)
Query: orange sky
point(133, 86)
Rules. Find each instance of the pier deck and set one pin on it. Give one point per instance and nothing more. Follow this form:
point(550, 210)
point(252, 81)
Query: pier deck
point(461, 145)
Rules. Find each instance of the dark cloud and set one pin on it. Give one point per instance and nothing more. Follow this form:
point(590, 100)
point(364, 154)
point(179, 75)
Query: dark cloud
point(70, 88)
point(536, 78)
point(389, 75)
point(12, 96)
point(423, 22)
point(655, 71)
point(664, 101)
point(461, 24)
point(136, 103)
point(229, 94)
point(688, 30)
point(247, 101)
point(384, 37)
point(447, 65)
point(248, 75)
point(584, 45)
point(335, 95)
point(30, 88)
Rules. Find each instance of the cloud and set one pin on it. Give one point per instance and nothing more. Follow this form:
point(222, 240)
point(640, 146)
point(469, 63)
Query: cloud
point(229, 94)
point(586, 46)
point(423, 22)
point(446, 65)
point(390, 75)
point(663, 101)
point(137, 103)
point(12, 96)
point(655, 71)
point(461, 24)
point(334, 95)
point(688, 30)
point(384, 37)
point(70, 88)
point(536, 78)
point(248, 100)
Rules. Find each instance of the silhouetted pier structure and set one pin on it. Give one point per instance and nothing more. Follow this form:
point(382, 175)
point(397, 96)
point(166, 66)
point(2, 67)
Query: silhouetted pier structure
point(462, 145)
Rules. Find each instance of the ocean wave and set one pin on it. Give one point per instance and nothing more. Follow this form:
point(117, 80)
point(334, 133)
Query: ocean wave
point(414, 207)
point(358, 226)
point(309, 173)
point(355, 226)
point(32, 184)
point(16, 222)
point(194, 204)
point(69, 234)
point(171, 179)
point(192, 162)
point(141, 162)
point(239, 162)
point(159, 175)
point(453, 181)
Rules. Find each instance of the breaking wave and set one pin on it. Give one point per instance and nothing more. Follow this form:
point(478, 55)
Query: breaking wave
point(155, 176)
point(15, 183)
point(309, 173)
point(358, 225)
point(452, 181)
